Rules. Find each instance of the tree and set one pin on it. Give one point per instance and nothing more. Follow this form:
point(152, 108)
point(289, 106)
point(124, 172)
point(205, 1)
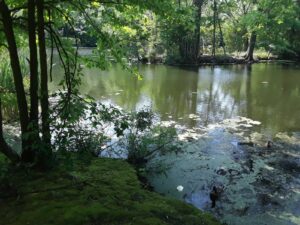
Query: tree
point(33, 64)
point(28, 18)
point(199, 5)
point(17, 75)
point(263, 24)
point(251, 46)
point(44, 76)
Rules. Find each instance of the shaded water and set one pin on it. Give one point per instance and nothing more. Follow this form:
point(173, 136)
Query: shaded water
point(260, 186)
point(218, 107)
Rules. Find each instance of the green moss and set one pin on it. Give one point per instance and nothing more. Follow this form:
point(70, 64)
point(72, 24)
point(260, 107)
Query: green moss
point(103, 191)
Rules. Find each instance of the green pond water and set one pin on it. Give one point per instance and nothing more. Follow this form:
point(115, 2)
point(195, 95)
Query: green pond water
point(214, 108)
point(269, 93)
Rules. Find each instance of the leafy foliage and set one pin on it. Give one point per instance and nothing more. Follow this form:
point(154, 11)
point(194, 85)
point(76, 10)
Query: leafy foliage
point(7, 88)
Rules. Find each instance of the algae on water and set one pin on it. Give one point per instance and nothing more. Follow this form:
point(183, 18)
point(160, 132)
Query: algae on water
point(261, 185)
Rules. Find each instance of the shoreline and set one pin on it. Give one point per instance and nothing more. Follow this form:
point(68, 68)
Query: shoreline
point(204, 60)
point(210, 61)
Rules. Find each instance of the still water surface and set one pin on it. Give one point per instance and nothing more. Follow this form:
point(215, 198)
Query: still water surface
point(269, 93)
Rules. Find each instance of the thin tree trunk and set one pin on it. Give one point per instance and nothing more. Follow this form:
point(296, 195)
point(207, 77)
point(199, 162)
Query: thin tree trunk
point(33, 64)
point(222, 43)
point(198, 4)
point(27, 155)
point(251, 46)
point(4, 147)
point(214, 30)
point(44, 75)
point(15, 64)
point(34, 113)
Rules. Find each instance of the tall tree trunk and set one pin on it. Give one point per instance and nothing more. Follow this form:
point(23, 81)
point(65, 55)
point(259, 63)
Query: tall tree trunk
point(27, 154)
point(4, 147)
point(44, 76)
point(222, 42)
point(198, 4)
point(214, 30)
point(33, 64)
point(251, 46)
point(245, 44)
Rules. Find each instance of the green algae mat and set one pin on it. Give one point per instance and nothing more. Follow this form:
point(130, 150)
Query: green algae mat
point(101, 191)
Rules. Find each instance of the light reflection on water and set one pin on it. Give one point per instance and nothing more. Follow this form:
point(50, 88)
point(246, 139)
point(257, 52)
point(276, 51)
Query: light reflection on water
point(268, 93)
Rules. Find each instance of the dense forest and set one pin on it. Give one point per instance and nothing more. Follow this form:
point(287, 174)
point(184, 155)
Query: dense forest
point(187, 30)
point(36, 35)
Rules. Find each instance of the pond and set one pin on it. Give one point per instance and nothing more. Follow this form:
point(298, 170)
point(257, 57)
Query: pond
point(219, 107)
point(269, 93)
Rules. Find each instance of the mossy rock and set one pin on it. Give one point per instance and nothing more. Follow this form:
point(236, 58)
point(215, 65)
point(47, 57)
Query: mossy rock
point(102, 191)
